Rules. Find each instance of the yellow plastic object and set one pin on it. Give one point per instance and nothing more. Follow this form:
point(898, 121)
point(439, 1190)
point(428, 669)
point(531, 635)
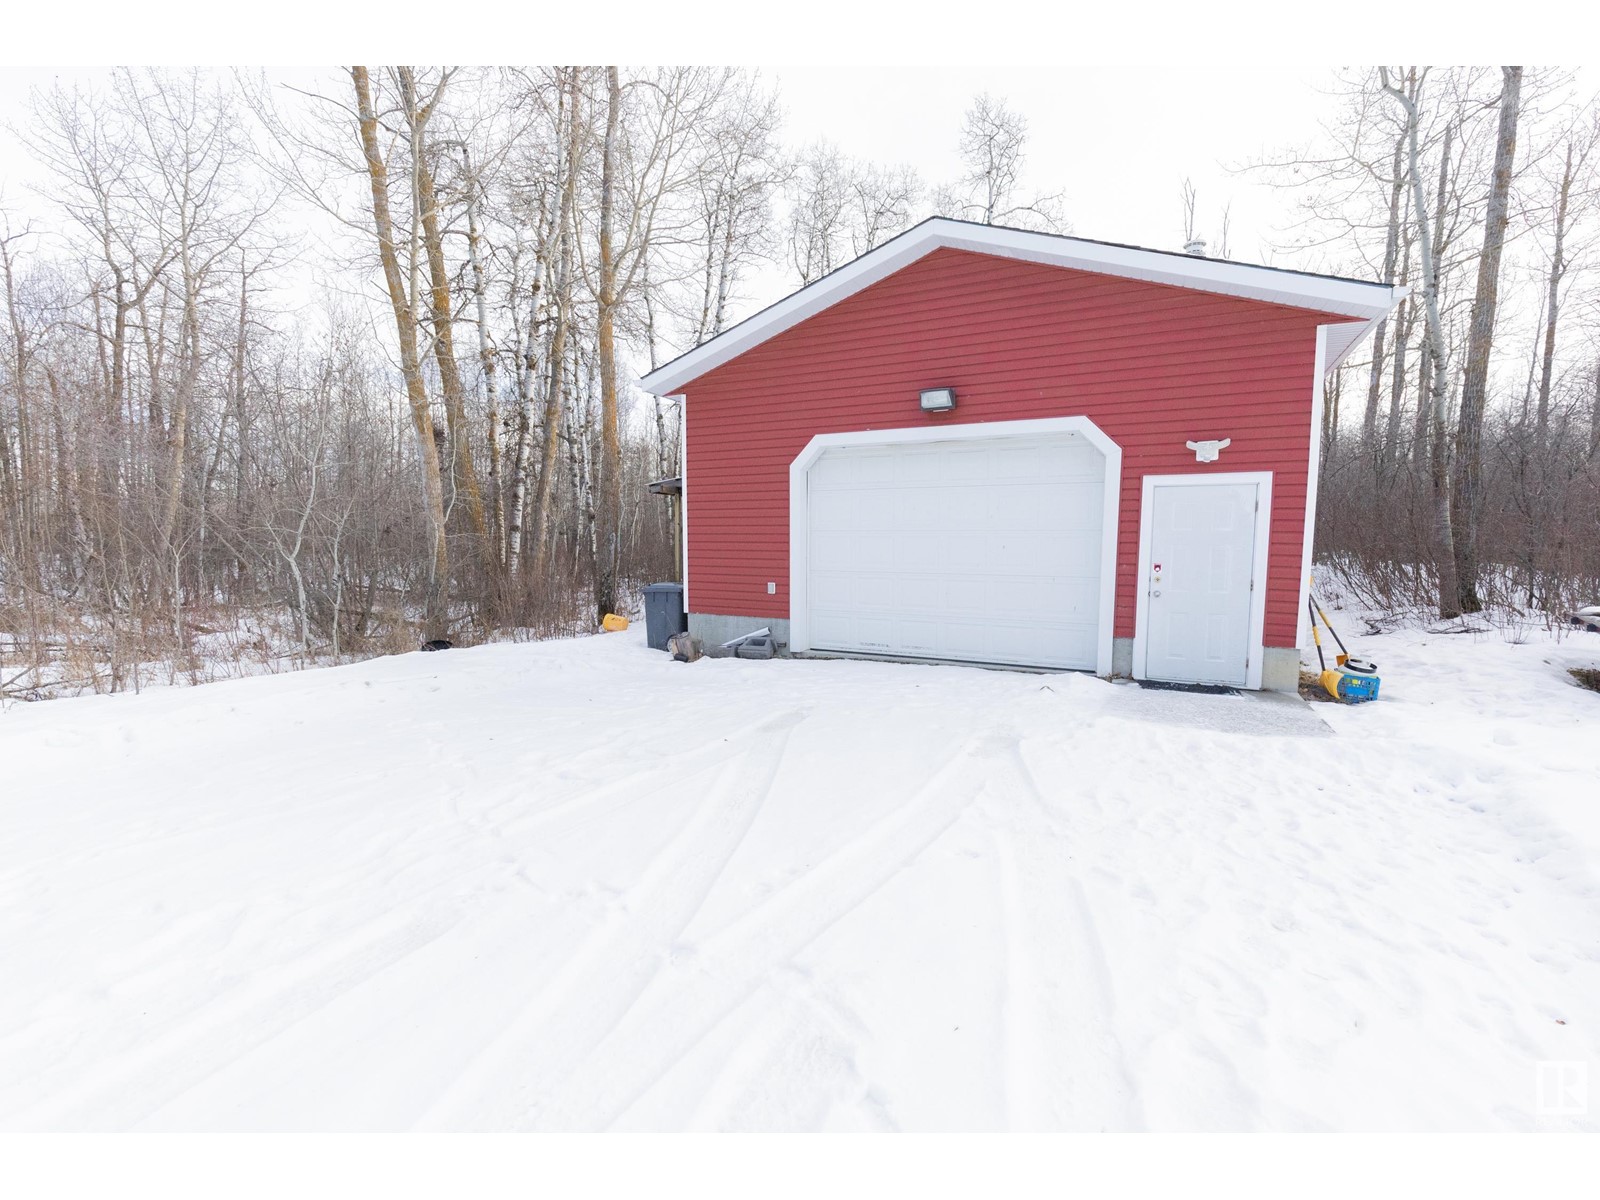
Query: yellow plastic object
point(612, 623)
point(1350, 687)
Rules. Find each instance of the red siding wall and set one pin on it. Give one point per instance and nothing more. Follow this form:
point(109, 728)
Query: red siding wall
point(1153, 366)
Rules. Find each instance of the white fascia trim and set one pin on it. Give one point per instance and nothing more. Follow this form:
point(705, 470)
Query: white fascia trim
point(1313, 474)
point(1258, 567)
point(1320, 293)
point(683, 496)
point(799, 549)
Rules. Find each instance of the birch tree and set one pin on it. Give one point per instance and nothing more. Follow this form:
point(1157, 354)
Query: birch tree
point(1398, 168)
point(1438, 345)
point(565, 253)
point(608, 507)
point(644, 167)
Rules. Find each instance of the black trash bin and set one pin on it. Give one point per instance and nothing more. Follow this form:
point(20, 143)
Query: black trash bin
point(663, 613)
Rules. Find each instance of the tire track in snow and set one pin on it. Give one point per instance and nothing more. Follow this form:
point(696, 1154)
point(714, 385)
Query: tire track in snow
point(735, 961)
point(183, 1038)
point(622, 791)
point(133, 1085)
point(237, 821)
point(1019, 1032)
point(593, 991)
point(1065, 1066)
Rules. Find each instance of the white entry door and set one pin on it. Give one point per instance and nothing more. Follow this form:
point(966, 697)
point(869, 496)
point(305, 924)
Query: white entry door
point(983, 549)
point(1200, 605)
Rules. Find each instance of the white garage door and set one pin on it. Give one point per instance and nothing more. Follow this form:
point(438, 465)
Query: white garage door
point(985, 550)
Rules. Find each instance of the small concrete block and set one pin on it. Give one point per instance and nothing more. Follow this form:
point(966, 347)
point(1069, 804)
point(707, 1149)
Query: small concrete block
point(761, 647)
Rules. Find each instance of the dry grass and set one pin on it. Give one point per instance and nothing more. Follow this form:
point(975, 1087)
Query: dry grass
point(1311, 688)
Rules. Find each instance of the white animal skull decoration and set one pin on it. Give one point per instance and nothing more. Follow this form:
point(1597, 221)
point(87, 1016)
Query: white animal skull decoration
point(1208, 451)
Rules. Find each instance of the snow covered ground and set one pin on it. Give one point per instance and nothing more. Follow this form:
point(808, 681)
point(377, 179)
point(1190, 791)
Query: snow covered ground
point(577, 885)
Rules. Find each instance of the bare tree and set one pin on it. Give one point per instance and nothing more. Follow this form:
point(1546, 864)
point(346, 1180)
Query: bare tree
point(839, 208)
point(1438, 346)
point(993, 148)
point(565, 253)
point(441, 308)
point(1391, 256)
point(644, 164)
point(819, 212)
point(740, 170)
point(1468, 467)
point(404, 301)
point(1580, 143)
point(884, 202)
point(609, 487)
point(472, 190)
point(189, 131)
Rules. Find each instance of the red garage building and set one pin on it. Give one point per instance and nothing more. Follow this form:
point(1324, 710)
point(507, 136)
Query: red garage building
point(989, 445)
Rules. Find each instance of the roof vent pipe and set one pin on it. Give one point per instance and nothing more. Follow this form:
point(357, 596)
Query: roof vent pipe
point(1196, 247)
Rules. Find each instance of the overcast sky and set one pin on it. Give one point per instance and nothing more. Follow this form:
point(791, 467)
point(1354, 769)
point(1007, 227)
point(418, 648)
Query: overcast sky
point(1117, 143)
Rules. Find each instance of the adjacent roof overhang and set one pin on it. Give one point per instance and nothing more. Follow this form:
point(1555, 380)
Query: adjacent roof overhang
point(1368, 303)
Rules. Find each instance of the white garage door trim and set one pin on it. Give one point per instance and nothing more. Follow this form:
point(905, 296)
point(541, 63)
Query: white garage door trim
point(799, 525)
point(1258, 567)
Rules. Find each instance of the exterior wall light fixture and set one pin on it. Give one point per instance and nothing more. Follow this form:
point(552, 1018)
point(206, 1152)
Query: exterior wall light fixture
point(938, 400)
point(1209, 451)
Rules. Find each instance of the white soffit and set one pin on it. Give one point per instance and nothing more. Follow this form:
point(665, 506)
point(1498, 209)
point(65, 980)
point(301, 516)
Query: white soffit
point(1369, 302)
point(1345, 336)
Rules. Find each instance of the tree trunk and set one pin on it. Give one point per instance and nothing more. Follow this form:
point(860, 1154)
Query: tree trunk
point(16, 491)
point(442, 311)
point(110, 463)
point(527, 383)
point(486, 362)
point(182, 398)
point(1553, 303)
point(724, 275)
point(1443, 526)
point(1422, 432)
point(1397, 384)
point(608, 490)
point(1436, 362)
point(442, 316)
point(1467, 470)
point(1391, 250)
point(555, 392)
point(1332, 392)
point(1594, 417)
point(241, 420)
point(436, 615)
